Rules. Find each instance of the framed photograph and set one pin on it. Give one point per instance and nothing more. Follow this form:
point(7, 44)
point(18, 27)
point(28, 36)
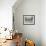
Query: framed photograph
point(28, 19)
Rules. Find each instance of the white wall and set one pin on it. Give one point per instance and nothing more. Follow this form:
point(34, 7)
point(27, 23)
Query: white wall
point(43, 22)
point(29, 7)
point(6, 13)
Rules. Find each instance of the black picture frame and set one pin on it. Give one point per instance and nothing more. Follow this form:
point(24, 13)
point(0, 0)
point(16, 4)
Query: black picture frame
point(28, 19)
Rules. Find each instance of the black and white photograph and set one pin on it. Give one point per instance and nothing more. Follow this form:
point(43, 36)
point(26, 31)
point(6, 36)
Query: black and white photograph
point(22, 22)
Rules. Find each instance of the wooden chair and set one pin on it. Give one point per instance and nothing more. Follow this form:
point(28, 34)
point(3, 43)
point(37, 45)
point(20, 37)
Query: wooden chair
point(18, 39)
